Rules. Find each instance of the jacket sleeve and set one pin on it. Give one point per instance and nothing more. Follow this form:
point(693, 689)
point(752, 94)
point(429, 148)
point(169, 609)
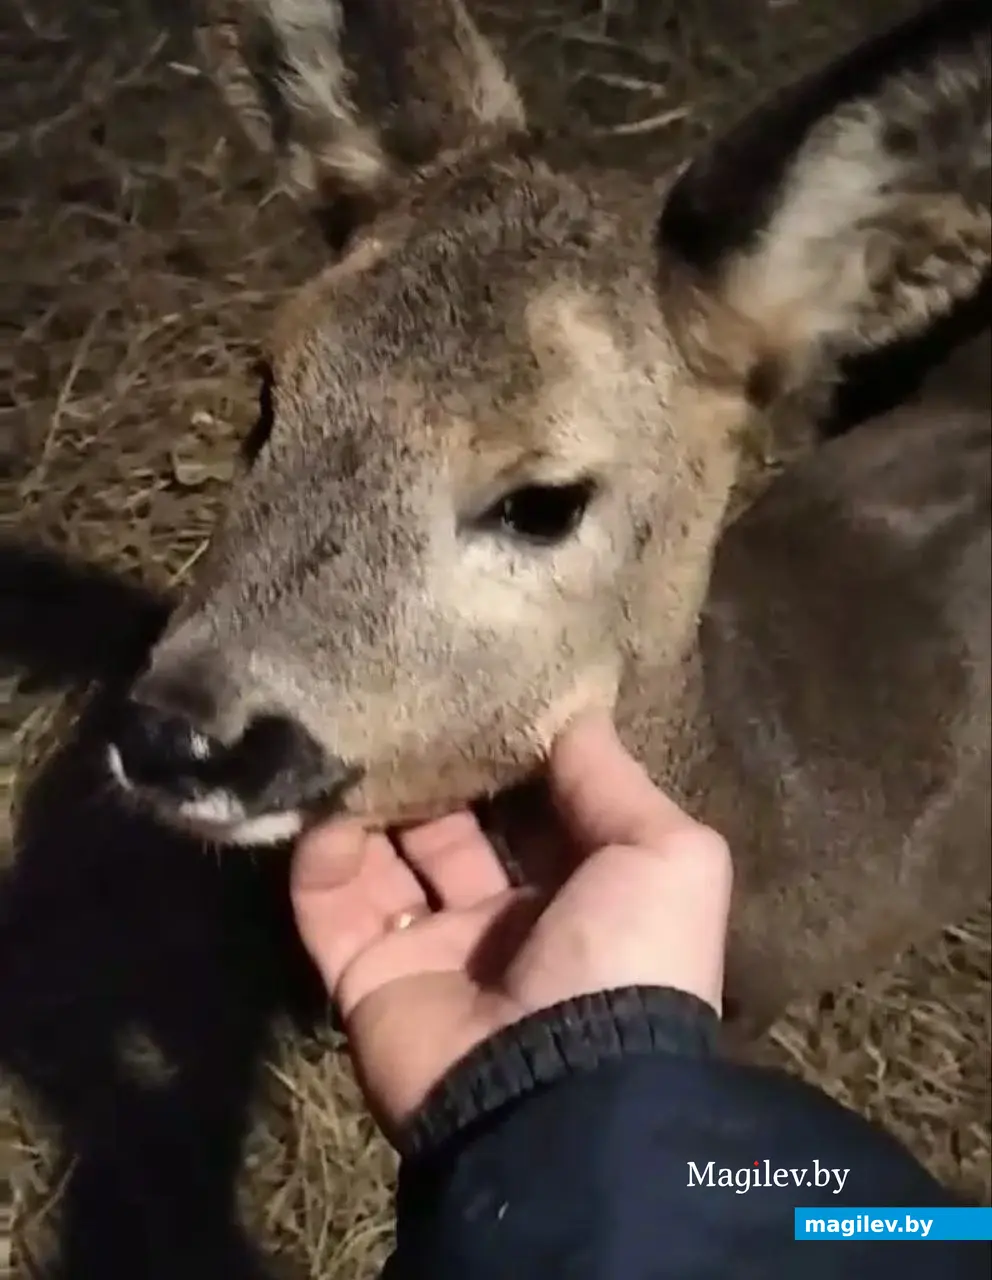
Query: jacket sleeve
point(605, 1139)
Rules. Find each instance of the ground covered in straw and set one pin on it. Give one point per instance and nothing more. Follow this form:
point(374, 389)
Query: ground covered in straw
point(142, 255)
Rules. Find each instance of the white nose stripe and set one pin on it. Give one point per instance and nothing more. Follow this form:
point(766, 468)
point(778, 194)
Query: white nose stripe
point(116, 766)
point(216, 807)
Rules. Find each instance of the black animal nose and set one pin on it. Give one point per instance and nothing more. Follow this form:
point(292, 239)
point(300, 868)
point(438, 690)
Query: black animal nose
point(158, 748)
point(273, 765)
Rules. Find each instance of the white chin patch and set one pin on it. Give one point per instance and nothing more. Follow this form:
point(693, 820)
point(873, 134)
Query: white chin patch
point(215, 809)
point(267, 828)
point(220, 816)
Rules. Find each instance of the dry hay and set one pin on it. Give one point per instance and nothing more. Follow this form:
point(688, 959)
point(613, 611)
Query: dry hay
point(142, 256)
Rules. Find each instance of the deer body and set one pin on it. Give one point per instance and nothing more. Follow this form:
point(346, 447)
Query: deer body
point(849, 769)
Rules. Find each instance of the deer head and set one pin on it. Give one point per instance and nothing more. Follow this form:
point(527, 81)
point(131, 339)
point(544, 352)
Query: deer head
point(500, 431)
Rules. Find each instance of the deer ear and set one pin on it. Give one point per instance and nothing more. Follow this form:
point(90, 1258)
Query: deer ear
point(850, 210)
point(350, 97)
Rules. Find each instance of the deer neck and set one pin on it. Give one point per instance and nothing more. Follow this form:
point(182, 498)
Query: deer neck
point(665, 715)
point(658, 716)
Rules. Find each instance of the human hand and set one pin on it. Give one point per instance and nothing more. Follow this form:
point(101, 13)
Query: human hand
point(419, 984)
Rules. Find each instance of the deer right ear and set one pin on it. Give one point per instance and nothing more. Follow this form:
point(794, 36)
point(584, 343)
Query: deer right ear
point(848, 211)
point(278, 66)
point(350, 97)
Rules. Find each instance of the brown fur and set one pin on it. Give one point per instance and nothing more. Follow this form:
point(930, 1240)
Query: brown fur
point(843, 675)
point(501, 322)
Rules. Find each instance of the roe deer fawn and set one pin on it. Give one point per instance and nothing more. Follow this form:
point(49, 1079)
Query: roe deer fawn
point(497, 449)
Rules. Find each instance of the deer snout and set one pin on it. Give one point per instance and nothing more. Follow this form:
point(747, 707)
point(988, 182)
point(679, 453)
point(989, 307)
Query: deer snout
point(256, 787)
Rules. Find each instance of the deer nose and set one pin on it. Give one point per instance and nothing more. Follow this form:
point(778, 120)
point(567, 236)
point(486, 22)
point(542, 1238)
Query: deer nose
point(161, 742)
point(160, 748)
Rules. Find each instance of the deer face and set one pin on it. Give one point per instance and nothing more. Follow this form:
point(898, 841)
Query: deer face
point(466, 463)
point(497, 440)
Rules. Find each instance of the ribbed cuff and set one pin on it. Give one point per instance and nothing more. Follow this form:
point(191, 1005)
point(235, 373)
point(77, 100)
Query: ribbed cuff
point(576, 1035)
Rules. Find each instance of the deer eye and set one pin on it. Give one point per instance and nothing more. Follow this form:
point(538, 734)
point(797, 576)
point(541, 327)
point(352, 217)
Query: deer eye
point(256, 438)
point(543, 514)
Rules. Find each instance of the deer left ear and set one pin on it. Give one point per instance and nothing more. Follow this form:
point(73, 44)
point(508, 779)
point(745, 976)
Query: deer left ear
point(850, 210)
point(350, 98)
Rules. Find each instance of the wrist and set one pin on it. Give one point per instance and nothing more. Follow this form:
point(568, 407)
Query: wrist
point(575, 1035)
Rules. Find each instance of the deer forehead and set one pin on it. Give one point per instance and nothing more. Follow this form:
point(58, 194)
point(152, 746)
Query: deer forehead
point(551, 389)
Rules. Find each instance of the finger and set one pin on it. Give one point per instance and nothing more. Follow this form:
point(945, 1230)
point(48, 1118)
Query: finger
point(338, 918)
point(456, 859)
point(603, 794)
point(329, 855)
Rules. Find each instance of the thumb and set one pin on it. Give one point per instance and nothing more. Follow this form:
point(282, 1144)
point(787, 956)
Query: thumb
point(603, 794)
point(327, 856)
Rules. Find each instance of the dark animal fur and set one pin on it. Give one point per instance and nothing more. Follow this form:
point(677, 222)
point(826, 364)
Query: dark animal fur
point(113, 928)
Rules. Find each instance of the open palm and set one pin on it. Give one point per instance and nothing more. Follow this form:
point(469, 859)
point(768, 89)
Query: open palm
point(428, 950)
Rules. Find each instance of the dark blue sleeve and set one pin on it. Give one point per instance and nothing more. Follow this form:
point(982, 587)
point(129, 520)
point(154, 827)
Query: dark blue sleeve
point(582, 1145)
